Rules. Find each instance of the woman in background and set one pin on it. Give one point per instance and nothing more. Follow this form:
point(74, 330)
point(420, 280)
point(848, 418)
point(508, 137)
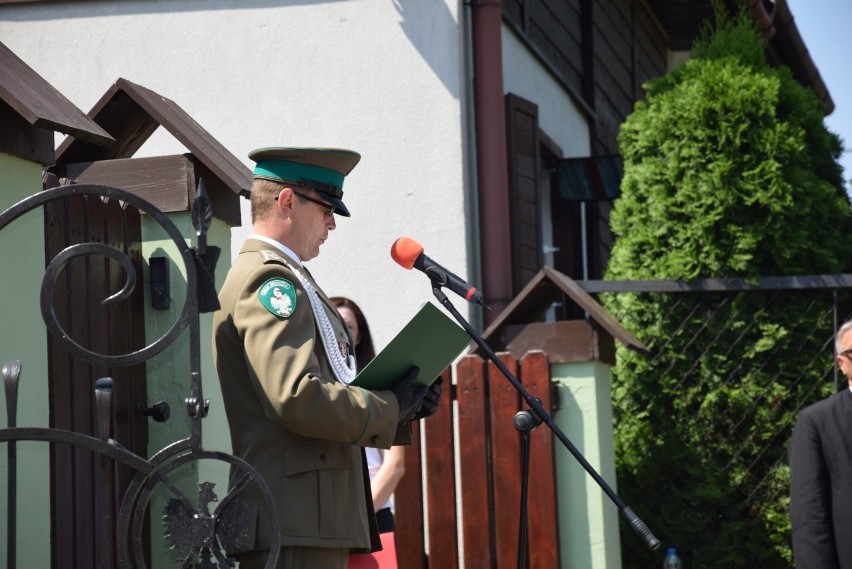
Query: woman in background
point(386, 466)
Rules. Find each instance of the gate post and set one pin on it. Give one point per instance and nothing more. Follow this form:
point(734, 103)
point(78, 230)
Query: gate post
point(580, 356)
point(31, 112)
point(132, 113)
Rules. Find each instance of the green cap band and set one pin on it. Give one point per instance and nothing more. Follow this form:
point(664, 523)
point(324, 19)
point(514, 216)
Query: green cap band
point(292, 171)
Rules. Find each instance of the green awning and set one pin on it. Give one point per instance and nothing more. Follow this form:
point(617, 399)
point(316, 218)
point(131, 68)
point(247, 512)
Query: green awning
point(590, 178)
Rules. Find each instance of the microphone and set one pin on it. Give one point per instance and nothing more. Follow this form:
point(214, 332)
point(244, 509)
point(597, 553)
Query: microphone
point(409, 253)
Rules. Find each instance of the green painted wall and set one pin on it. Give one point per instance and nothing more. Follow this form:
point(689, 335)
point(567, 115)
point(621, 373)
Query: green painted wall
point(23, 336)
point(588, 520)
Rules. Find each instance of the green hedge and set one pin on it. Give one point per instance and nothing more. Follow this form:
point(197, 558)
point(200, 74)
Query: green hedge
point(729, 171)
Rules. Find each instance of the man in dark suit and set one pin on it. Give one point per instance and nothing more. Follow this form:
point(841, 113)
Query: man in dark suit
point(821, 474)
point(285, 362)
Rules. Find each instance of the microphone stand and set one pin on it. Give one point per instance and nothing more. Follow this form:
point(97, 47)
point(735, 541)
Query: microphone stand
point(526, 421)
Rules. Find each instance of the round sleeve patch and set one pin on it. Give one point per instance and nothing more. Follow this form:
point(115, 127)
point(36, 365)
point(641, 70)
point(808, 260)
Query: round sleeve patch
point(278, 296)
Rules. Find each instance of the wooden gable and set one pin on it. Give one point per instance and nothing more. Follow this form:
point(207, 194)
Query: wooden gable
point(516, 328)
point(31, 109)
point(131, 113)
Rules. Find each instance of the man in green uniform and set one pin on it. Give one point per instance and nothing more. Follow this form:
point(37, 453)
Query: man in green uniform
point(284, 360)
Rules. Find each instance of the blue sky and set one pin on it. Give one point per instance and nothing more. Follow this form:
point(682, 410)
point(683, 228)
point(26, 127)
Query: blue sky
point(825, 28)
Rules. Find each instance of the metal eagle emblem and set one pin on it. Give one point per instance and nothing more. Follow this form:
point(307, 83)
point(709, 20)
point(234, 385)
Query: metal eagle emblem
point(201, 537)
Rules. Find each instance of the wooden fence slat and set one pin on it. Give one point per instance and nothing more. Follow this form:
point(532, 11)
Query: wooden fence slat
point(100, 341)
point(122, 404)
point(471, 392)
point(441, 487)
point(489, 468)
point(81, 297)
point(542, 512)
point(61, 389)
point(122, 231)
point(408, 508)
point(506, 465)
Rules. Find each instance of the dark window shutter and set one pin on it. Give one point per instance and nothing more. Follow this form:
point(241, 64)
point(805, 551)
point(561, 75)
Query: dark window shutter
point(524, 211)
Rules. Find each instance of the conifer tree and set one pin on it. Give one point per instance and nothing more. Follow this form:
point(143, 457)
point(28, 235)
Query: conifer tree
point(729, 171)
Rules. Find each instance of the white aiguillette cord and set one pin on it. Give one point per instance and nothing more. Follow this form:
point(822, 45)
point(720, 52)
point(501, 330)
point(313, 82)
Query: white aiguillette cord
point(344, 368)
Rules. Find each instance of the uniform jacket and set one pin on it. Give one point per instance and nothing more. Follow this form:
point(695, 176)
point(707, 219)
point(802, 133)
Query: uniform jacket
point(289, 417)
point(821, 484)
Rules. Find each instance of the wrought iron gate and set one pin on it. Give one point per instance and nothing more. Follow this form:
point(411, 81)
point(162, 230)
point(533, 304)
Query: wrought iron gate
point(202, 537)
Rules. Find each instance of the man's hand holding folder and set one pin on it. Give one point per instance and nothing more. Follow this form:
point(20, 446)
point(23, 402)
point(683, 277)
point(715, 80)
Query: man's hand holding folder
point(430, 342)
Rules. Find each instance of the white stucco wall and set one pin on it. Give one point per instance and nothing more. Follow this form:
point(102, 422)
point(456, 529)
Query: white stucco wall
point(382, 77)
point(558, 115)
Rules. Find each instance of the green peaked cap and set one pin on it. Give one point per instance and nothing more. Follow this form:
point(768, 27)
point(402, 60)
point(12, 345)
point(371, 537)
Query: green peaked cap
point(321, 169)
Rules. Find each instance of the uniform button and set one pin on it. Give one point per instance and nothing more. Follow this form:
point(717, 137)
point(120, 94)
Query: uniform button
point(375, 439)
point(323, 457)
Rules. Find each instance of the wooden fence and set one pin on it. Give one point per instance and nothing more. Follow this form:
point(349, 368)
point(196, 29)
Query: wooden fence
point(459, 501)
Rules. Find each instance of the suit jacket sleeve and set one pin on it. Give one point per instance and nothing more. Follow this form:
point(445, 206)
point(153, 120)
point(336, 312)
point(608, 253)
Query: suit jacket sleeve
point(810, 495)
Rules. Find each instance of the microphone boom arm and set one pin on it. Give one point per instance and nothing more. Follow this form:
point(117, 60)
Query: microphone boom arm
point(440, 277)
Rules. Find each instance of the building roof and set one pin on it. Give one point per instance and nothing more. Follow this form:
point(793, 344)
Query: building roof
point(40, 104)
point(545, 288)
point(131, 113)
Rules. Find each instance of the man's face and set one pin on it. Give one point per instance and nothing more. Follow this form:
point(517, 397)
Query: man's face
point(311, 222)
point(844, 354)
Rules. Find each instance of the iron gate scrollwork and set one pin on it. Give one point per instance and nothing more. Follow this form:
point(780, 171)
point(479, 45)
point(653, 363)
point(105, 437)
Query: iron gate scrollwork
point(202, 536)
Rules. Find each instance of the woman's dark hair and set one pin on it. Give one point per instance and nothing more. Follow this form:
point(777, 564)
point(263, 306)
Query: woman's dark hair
point(364, 351)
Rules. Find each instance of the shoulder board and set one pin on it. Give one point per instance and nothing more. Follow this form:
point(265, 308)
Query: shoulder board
point(273, 257)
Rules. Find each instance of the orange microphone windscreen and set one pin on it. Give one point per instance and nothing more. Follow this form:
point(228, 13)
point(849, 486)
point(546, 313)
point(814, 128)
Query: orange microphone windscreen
point(405, 251)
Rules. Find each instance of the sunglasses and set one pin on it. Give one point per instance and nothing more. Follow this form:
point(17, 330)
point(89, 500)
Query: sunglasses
point(328, 209)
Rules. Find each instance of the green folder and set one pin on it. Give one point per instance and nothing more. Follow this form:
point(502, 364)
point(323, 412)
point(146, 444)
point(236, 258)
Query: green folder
point(430, 341)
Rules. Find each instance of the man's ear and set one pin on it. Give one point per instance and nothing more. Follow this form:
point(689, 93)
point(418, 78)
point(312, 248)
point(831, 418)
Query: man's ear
point(285, 199)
